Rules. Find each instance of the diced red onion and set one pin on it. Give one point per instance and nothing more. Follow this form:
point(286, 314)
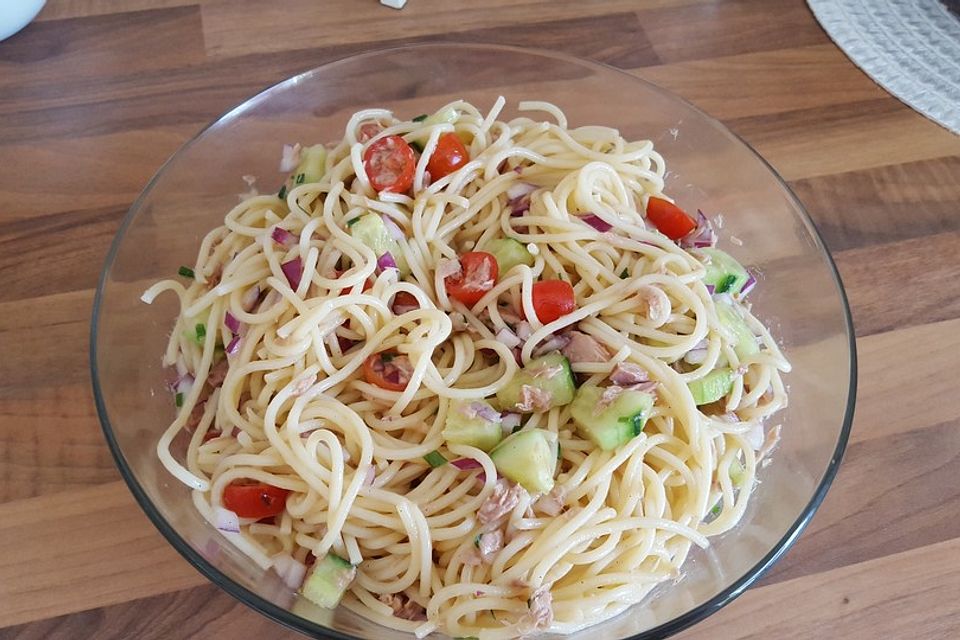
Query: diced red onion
point(552, 344)
point(234, 346)
point(520, 189)
point(250, 298)
point(508, 337)
point(184, 384)
point(465, 464)
point(226, 520)
point(283, 237)
point(395, 231)
point(596, 222)
point(386, 261)
point(481, 410)
point(294, 271)
point(748, 287)
point(231, 323)
point(291, 570)
point(710, 289)
point(510, 421)
point(702, 236)
point(523, 330)
point(290, 157)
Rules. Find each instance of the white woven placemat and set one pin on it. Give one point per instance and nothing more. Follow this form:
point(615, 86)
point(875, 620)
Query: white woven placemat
point(909, 47)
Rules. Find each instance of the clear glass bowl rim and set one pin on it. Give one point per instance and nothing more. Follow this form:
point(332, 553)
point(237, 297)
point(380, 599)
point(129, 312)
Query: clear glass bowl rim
point(305, 626)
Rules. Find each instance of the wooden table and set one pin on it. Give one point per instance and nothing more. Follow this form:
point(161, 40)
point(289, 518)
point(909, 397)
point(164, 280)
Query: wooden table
point(92, 100)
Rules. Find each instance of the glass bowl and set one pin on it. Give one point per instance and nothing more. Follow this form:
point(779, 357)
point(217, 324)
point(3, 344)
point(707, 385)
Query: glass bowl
point(799, 296)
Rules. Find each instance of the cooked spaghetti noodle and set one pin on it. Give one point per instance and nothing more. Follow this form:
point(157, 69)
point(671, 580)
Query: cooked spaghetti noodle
point(288, 306)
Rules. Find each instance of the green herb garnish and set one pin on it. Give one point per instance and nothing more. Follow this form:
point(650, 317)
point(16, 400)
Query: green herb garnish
point(201, 332)
point(178, 399)
point(435, 459)
point(282, 194)
point(724, 285)
point(186, 272)
point(353, 221)
point(624, 274)
point(299, 179)
point(420, 118)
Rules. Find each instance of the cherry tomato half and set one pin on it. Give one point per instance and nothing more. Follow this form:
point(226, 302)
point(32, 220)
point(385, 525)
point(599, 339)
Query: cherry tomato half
point(254, 499)
point(669, 219)
point(478, 273)
point(552, 299)
point(390, 164)
point(388, 370)
point(449, 155)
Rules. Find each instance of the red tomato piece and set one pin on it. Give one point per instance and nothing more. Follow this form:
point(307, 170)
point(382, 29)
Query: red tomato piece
point(552, 299)
point(669, 219)
point(388, 370)
point(390, 164)
point(369, 130)
point(447, 157)
point(254, 499)
point(404, 302)
point(478, 273)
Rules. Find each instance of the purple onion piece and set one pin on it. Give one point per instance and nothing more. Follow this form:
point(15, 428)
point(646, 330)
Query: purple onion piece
point(465, 464)
point(283, 237)
point(231, 323)
point(710, 289)
point(748, 287)
point(386, 261)
point(294, 271)
point(596, 222)
point(234, 346)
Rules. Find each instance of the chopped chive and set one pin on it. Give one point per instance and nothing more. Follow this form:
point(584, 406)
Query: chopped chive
point(476, 540)
point(435, 459)
point(178, 399)
point(724, 285)
point(186, 272)
point(201, 332)
point(299, 179)
point(559, 452)
point(353, 221)
point(282, 194)
point(716, 509)
point(420, 118)
point(624, 274)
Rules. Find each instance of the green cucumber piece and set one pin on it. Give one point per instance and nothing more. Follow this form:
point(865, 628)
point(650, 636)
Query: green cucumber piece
point(509, 253)
point(371, 231)
point(328, 580)
point(613, 423)
point(549, 373)
point(529, 458)
point(744, 342)
point(466, 425)
point(313, 164)
point(723, 272)
point(712, 386)
point(737, 472)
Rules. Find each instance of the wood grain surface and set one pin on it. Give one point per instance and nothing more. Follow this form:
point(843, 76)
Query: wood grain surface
point(96, 94)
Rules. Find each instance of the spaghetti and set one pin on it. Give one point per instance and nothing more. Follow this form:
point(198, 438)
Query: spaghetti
point(317, 372)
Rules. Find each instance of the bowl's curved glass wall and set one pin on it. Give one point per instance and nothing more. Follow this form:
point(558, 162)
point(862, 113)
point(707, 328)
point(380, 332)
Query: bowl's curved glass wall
point(798, 294)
